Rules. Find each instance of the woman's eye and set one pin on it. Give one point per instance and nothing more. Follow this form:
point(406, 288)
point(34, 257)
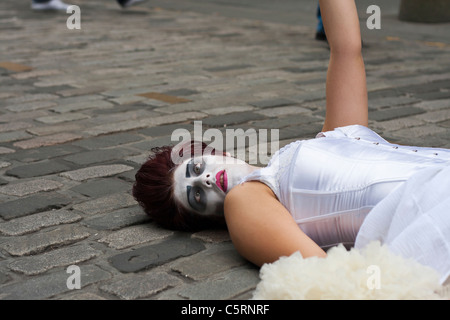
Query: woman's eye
point(197, 168)
point(197, 196)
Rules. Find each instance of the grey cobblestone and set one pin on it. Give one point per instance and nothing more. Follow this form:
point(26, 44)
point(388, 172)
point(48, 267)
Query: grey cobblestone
point(208, 262)
point(50, 285)
point(81, 109)
point(117, 219)
point(106, 203)
point(135, 235)
point(32, 204)
point(47, 140)
point(95, 172)
point(222, 288)
point(56, 258)
point(98, 188)
point(37, 169)
point(141, 286)
point(156, 254)
point(38, 221)
point(29, 187)
point(39, 242)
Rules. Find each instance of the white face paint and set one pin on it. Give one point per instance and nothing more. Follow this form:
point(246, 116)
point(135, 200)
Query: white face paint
point(201, 183)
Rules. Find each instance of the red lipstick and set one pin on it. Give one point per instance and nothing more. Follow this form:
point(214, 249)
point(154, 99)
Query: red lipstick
point(222, 180)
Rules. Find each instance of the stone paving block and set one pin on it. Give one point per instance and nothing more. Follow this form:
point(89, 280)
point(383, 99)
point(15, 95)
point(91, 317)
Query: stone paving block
point(107, 203)
point(222, 287)
point(62, 118)
point(212, 236)
point(31, 106)
point(230, 109)
point(271, 103)
point(95, 172)
point(52, 129)
point(135, 235)
point(38, 221)
point(147, 145)
point(102, 187)
point(23, 116)
point(4, 150)
point(181, 92)
point(82, 296)
point(157, 254)
point(209, 262)
point(32, 204)
point(80, 91)
point(47, 140)
point(433, 95)
point(50, 285)
point(128, 125)
point(4, 278)
point(165, 130)
point(287, 121)
point(231, 119)
point(433, 104)
point(435, 116)
point(394, 113)
point(38, 169)
point(111, 140)
point(83, 105)
point(39, 242)
point(118, 219)
point(420, 131)
point(164, 97)
point(96, 156)
point(141, 286)
point(228, 68)
point(44, 153)
point(21, 189)
point(35, 74)
point(283, 111)
point(63, 257)
point(390, 102)
point(13, 126)
point(14, 136)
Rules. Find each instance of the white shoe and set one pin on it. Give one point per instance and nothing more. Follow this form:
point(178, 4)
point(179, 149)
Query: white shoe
point(128, 3)
point(51, 5)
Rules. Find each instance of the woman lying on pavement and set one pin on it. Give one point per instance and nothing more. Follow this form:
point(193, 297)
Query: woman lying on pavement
point(348, 185)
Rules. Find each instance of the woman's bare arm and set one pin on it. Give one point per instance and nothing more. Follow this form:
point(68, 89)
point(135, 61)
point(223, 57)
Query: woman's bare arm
point(346, 90)
point(261, 228)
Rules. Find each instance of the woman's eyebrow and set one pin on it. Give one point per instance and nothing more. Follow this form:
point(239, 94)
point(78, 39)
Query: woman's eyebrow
point(188, 191)
point(188, 173)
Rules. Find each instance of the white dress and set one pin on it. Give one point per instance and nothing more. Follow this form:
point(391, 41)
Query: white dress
point(351, 186)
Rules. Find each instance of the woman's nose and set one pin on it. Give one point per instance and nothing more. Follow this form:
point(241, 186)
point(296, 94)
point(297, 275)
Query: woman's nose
point(207, 180)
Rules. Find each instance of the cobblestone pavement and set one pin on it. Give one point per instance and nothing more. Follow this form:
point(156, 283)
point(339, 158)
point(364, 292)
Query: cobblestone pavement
point(80, 110)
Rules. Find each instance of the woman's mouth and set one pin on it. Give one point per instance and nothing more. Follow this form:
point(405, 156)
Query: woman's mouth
point(222, 180)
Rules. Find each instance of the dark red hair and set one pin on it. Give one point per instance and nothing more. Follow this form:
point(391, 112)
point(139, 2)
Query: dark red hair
point(153, 190)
